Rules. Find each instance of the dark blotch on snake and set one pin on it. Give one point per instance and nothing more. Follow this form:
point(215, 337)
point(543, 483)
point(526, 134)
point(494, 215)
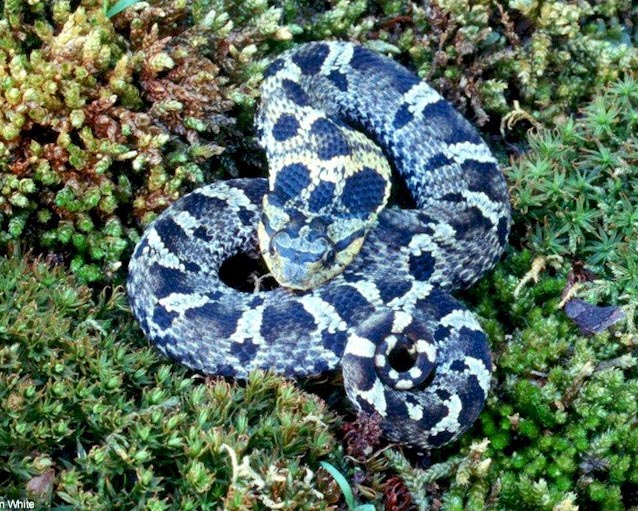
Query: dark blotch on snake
point(294, 92)
point(363, 192)
point(330, 139)
point(286, 319)
point(291, 180)
point(310, 61)
point(339, 80)
point(285, 128)
point(321, 196)
point(421, 266)
point(402, 117)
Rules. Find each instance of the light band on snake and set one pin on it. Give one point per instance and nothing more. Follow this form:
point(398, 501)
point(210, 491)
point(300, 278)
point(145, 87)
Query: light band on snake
point(360, 282)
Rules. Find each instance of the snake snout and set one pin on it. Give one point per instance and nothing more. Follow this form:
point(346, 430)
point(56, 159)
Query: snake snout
point(299, 261)
point(293, 247)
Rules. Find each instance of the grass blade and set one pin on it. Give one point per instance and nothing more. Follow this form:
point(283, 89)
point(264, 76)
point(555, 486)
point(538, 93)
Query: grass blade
point(341, 481)
point(119, 6)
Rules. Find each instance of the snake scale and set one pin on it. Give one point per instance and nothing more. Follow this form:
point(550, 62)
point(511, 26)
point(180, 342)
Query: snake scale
point(365, 287)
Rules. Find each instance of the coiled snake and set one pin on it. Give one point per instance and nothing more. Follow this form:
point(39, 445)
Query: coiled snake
point(364, 287)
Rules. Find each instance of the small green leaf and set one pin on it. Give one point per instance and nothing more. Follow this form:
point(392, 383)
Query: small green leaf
point(341, 481)
point(119, 6)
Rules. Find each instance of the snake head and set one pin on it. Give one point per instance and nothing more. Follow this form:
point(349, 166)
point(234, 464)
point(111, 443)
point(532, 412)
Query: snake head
point(304, 251)
point(327, 185)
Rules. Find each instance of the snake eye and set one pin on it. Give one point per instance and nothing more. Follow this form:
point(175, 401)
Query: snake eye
point(329, 255)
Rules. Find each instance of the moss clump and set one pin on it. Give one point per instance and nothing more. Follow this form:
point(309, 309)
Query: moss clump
point(561, 416)
point(486, 55)
point(99, 132)
point(572, 191)
point(91, 419)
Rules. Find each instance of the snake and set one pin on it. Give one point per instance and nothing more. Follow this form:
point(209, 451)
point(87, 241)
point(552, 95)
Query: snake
point(365, 281)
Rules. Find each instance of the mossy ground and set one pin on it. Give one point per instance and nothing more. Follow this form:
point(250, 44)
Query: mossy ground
point(92, 418)
point(103, 122)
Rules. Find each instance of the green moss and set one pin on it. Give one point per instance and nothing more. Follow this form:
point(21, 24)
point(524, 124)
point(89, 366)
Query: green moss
point(571, 191)
point(566, 403)
point(92, 418)
point(560, 419)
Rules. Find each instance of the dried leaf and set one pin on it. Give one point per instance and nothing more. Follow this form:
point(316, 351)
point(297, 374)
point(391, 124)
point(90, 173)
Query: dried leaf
point(592, 319)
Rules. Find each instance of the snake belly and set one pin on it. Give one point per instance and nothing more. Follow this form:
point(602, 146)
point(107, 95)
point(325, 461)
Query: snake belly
point(394, 297)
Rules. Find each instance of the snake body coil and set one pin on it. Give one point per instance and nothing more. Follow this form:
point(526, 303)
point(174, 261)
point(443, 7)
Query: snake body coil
point(370, 285)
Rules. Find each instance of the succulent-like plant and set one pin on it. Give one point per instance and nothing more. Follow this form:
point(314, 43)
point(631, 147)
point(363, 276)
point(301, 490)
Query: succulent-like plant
point(99, 133)
point(572, 192)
